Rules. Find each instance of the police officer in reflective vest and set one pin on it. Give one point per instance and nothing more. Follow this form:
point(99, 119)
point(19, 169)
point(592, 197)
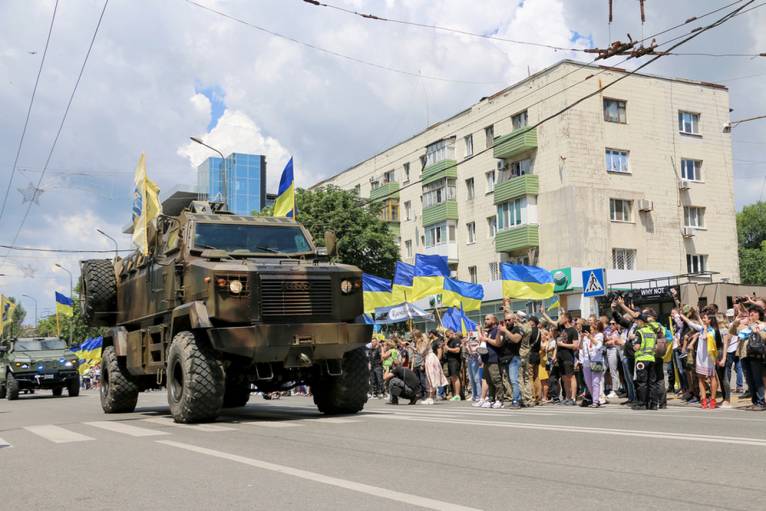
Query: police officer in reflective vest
point(644, 341)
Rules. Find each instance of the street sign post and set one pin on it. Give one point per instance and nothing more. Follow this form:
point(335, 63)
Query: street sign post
point(594, 282)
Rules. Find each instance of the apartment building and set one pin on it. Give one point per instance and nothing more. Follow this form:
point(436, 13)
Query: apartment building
point(638, 178)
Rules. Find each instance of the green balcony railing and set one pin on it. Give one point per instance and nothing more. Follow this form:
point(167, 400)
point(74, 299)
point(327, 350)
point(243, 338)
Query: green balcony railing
point(515, 143)
point(386, 191)
point(516, 238)
point(445, 168)
point(440, 213)
point(517, 187)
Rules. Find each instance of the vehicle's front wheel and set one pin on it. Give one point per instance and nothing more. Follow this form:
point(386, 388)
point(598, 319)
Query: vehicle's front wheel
point(12, 387)
point(119, 392)
point(73, 387)
point(346, 393)
point(2, 391)
point(195, 380)
point(57, 391)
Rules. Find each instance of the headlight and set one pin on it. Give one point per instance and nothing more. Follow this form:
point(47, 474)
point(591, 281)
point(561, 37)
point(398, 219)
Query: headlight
point(235, 286)
point(346, 286)
point(68, 364)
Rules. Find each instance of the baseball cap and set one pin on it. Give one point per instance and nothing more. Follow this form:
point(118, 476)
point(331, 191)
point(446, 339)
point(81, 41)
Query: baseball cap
point(730, 313)
point(521, 314)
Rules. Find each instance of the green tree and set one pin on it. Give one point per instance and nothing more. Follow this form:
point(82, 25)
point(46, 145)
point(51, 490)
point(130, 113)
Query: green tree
point(751, 232)
point(14, 327)
point(363, 239)
point(49, 327)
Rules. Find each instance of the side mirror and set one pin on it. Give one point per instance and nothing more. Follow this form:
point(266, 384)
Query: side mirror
point(331, 243)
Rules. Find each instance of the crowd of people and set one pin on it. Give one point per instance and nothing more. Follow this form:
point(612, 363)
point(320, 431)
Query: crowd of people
point(624, 357)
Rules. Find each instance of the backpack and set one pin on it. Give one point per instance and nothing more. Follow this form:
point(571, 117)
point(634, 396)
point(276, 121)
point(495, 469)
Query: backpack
point(755, 345)
point(661, 344)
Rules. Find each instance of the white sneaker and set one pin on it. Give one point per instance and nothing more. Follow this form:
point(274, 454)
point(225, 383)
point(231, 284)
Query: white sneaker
point(486, 404)
point(497, 404)
point(611, 395)
point(725, 405)
point(429, 401)
point(478, 404)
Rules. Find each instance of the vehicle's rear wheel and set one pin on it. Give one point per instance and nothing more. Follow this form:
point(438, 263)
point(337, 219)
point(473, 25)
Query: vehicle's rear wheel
point(12, 387)
point(98, 292)
point(346, 393)
point(2, 391)
point(119, 391)
point(57, 391)
point(237, 390)
point(195, 380)
point(73, 387)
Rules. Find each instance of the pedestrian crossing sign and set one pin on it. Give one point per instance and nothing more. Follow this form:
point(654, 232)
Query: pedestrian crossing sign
point(594, 282)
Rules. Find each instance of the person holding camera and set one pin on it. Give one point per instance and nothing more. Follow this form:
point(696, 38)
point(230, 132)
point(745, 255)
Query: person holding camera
point(511, 334)
point(404, 383)
point(453, 349)
point(491, 362)
point(751, 331)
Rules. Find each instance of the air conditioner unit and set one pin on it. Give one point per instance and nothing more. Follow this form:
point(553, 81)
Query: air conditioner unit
point(687, 232)
point(683, 184)
point(645, 205)
point(501, 166)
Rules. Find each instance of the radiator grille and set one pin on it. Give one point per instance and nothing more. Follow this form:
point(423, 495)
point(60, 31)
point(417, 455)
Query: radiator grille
point(291, 298)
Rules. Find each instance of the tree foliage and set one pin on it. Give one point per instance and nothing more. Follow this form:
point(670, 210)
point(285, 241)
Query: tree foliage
point(751, 232)
point(19, 313)
point(363, 239)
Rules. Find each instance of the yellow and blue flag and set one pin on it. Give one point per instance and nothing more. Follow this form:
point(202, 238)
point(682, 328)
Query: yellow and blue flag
point(457, 293)
point(64, 305)
point(88, 353)
point(285, 203)
point(526, 282)
point(456, 320)
point(376, 292)
point(402, 285)
point(146, 206)
point(430, 271)
point(555, 304)
point(7, 308)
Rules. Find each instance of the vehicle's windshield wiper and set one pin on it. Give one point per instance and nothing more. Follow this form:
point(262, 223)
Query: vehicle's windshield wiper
point(267, 249)
point(201, 245)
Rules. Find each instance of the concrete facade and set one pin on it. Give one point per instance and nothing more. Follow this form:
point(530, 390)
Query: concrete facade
point(564, 195)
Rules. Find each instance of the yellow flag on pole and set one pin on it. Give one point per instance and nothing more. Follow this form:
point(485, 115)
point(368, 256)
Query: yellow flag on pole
point(146, 206)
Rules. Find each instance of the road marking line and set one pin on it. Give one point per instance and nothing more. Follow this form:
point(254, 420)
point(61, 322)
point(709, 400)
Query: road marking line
point(384, 493)
point(332, 420)
point(168, 421)
point(272, 424)
point(658, 435)
point(125, 429)
point(3, 443)
point(56, 434)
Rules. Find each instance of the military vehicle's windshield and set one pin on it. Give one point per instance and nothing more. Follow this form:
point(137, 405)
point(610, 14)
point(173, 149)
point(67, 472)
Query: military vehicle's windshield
point(250, 238)
point(40, 345)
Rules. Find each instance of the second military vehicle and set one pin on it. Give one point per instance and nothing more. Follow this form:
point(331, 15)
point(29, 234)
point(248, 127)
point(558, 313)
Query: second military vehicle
point(224, 303)
point(31, 363)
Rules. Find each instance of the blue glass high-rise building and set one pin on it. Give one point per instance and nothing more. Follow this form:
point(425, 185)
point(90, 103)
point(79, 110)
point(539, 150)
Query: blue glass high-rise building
point(246, 186)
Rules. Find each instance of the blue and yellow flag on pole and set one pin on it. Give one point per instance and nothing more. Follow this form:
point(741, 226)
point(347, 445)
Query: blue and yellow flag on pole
point(88, 353)
point(376, 292)
point(430, 271)
point(285, 203)
point(7, 308)
point(146, 206)
point(526, 282)
point(456, 320)
point(457, 293)
point(402, 286)
point(64, 305)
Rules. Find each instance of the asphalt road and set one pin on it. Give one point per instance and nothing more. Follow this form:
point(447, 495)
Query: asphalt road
point(65, 453)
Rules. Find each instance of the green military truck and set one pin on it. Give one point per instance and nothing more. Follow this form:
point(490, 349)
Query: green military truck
point(32, 363)
point(225, 304)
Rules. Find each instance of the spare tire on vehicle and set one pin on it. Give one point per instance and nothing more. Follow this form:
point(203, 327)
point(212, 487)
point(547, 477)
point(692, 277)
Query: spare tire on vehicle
point(98, 292)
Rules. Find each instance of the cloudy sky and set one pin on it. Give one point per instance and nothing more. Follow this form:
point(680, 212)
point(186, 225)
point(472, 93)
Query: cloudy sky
point(161, 71)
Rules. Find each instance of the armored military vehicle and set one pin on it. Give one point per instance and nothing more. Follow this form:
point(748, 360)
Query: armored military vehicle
point(31, 363)
point(225, 303)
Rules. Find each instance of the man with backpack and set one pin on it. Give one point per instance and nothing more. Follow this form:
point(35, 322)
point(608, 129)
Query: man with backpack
point(530, 343)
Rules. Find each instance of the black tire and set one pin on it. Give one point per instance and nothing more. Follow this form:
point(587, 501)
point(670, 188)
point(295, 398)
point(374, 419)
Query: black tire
point(73, 387)
point(237, 391)
point(195, 380)
point(57, 391)
point(12, 387)
point(2, 391)
point(119, 391)
point(98, 292)
point(346, 393)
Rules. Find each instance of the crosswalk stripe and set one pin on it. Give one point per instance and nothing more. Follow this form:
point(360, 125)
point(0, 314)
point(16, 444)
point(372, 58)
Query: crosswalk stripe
point(57, 434)
point(167, 421)
point(3, 443)
point(125, 429)
point(272, 424)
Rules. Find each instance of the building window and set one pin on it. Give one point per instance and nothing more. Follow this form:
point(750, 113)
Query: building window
point(689, 123)
point(407, 210)
point(511, 213)
point(374, 183)
point(623, 259)
point(451, 231)
point(389, 177)
point(471, 228)
point(357, 189)
point(614, 110)
point(617, 161)
point(620, 210)
point(695, 263)
point(691, 170)
point(439, 234)
point(492, 225)
point(408, 248)
point(490, 177)
point(519, 120)
point(440, 151)
point(422, 161)
point(521, 167)
point(694, 217)
point(489, 135)
point(468, 139)
point(422, 240)
point(438, 192)
point(406, 172)
point(473, 275)
point(494, 272)
point(469, 188)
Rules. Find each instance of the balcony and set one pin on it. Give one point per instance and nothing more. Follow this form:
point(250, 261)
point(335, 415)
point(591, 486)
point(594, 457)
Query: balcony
point(515, 143)
point(440, 213)
point(445, 168)
point(388, 191)
point(517, 238)
point(449, 250)
point(513, 187)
